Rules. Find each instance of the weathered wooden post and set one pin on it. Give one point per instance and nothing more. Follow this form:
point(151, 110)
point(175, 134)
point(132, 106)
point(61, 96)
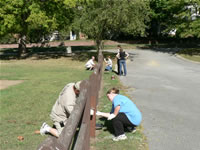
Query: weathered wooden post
point(83, 140)
point(72, 122)
point(66, 137)
point(87, 100)
point(93, 103)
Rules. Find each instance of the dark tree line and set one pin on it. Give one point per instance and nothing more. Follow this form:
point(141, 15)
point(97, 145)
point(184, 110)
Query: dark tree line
point(32, 20)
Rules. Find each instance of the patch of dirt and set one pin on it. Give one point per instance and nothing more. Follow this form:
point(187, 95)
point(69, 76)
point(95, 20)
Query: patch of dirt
point(6, 83)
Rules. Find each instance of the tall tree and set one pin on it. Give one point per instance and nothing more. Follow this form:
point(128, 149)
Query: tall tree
point(99, 19)
point(182, 16)
point(187, 20)
point(31, 19)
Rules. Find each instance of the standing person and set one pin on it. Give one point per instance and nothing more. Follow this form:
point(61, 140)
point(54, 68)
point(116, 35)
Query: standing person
point(118, 50)
point(122, 56)
point(62, 109)
point(108, 62)
point(90, 64)
point(124, 113)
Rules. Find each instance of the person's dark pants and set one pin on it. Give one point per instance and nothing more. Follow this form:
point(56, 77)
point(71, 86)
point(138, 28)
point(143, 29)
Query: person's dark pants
point(118, 71)
point(119, 122)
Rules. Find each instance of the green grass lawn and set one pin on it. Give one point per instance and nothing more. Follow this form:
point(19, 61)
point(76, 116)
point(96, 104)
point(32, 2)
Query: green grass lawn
point(193, 57)
point(24, 107)
point(125, 46)
point(191, 54)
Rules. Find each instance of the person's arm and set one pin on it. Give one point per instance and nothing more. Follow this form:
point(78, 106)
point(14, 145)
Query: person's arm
point(110, 62)
point(107, 62)
point(118, 56)
point(103, 114)
point(106, 115)
point(92, 63)
point(68, 100)
point(116, 111)
point(127, 55)
point(54, 132)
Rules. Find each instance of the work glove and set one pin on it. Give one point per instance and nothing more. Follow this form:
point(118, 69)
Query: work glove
point(98, 113)
point(111, 116)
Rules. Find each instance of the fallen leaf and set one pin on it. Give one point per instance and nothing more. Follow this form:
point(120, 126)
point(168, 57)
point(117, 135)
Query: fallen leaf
point(20, 138)
point(12, 121)
point(37, 132)
point(30, 123)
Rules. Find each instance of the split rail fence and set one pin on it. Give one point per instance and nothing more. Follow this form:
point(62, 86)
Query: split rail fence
point(80, 126)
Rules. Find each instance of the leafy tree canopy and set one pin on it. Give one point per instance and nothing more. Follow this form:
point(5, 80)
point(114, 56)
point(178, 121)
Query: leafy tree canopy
point(34, 17)
point(99, 19)
point(168, 15)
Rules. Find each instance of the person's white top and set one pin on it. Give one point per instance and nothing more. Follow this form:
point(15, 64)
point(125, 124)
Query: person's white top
point(89, 64)
point(108, 62)
point(118, 50)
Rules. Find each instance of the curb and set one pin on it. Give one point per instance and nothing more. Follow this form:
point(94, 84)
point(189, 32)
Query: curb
point(180, 57)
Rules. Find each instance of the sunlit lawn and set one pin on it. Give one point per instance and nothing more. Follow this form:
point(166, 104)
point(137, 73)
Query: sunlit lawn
point(193, 57)
point(191, 54)
point(24, 107)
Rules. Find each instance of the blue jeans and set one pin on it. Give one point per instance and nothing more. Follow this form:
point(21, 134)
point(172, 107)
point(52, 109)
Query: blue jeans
point(108, 68)
point(122, 63)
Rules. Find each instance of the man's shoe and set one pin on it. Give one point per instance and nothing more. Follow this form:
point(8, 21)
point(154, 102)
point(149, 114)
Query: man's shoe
point(120, 137)
point(43, 129)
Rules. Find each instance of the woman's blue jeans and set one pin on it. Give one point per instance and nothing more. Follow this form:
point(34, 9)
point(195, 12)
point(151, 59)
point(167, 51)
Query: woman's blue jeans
point(122, 63)
point(108, 68)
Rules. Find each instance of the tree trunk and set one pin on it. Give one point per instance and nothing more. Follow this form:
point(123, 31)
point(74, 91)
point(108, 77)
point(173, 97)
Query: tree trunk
point(99, 44)
point(22, 46)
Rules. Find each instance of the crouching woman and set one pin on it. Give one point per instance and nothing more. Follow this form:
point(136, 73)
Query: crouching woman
point(124, 113)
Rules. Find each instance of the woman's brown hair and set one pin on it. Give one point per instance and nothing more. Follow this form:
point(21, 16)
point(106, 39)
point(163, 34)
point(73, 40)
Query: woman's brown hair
point(113, 90)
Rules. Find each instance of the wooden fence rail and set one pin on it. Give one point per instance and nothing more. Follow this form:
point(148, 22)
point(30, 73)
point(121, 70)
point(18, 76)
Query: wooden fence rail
point(80, 126)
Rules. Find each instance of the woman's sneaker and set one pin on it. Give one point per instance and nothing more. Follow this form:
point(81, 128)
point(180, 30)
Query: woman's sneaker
point(134, 130)
point(131, 129)
point(120, 137)
point(43, 129)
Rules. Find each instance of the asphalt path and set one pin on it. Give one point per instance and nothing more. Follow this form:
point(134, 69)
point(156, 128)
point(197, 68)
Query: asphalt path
point(167, 91)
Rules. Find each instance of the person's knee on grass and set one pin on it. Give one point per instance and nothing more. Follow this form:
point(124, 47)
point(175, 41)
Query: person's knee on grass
point(123, 113)
point(62, 109)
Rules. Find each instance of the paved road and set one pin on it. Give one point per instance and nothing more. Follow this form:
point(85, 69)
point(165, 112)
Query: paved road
point(167, 91)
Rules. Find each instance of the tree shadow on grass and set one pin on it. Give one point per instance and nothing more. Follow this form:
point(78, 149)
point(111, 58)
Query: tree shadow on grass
point(79, 53)
point(43, 52)
point(83, 56)
point(190, 51)
point(107, 124)
point(173, 48)
point(166, 45)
